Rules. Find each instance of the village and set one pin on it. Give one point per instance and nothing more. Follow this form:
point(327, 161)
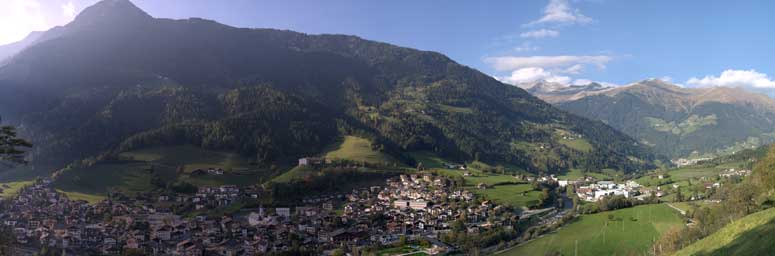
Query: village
point(413, 207)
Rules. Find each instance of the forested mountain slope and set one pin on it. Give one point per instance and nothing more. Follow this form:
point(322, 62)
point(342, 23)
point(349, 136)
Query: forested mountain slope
point(117, 79)
point(675, 121)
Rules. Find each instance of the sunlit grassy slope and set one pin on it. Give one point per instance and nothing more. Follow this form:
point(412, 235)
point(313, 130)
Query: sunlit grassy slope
point(751, 235)
point(631, 232)
point(358, 149)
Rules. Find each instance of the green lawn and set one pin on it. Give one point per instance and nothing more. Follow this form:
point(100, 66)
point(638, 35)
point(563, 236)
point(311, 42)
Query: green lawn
point(10, 189)
point(751, 235)
point(577, 144)
point(575, 174)
point(91, 198)
point(237, 169)
point(295, 173)
point(239, 179)
point(398, 250)
point(630, 233)
point(510, 194)
point(428, 159)
point(126, 177)
point(190, 157)
point(358, 149)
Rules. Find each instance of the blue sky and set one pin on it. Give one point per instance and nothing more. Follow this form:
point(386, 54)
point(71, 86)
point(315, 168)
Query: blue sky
point(693, 43)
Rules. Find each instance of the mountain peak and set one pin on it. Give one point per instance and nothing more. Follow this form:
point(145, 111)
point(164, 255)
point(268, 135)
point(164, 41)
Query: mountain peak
point(112, 12)
point(658, 83)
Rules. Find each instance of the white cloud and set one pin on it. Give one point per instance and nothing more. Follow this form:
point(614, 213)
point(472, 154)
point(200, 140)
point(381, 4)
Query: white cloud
point(541, 33)
point(560, 12)
point(532, 74)
point(581, 82)
point(20, 17)
point(510, 63)
point(734, 78)
point(526, 47)
point(68, 10)
point(575, 69)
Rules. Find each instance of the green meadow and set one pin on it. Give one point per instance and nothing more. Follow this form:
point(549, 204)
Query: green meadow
point(10, 189)
point(751, 235)
point(629, 231)
point(358, 149)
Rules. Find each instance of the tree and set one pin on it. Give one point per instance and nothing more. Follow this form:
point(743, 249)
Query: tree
point(11, 146)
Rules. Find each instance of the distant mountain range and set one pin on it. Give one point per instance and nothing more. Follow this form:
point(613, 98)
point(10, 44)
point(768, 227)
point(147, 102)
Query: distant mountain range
point(675, 121)
point(117, 79)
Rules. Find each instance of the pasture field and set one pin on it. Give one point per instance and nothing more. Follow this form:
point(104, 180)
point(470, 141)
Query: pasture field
point(125, 177)
point(629, 231)
point(10, 189)
point(503, 189)
point(358, 149)
point(575, 174)
point(521, 195)
point(91, 198)
point(190, 157)
point(751, 235)
point(577, 144)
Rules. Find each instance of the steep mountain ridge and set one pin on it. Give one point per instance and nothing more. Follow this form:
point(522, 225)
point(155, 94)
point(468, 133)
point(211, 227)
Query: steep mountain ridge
point(116, 79)
point(680, 122)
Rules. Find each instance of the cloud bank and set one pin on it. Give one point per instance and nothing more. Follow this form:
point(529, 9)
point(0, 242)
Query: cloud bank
point(734, 78)
point(541, 33)
point(560, 12)
point(509, 63)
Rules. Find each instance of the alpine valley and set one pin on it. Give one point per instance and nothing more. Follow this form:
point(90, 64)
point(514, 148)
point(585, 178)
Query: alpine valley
point(116, 80)
point(675, 121)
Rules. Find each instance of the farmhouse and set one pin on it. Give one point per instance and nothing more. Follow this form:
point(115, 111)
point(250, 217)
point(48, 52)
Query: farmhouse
point(311, 161)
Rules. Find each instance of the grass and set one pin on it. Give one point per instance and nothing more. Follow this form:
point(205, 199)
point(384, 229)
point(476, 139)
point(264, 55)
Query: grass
point(239, 179)
point(751, 235)
point(507, 194)
point(190, 157)
point(238, 171)
point(684, 175)
point(577, 144)
point(10, 189)
point(295, 173)
point(630, 233)
point(403, 249)
point(125, 177)
point(91, 198)
point(510, 195)
point(428, 159)
point(575, 174)
point(358, 149)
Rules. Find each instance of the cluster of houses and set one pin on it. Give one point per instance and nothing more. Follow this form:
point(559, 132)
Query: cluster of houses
point(209, 171)
point(596, 191)
point(423, 206)
point(42, 217)
point(732, 172)
point(418, 206)
point(681, 162)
